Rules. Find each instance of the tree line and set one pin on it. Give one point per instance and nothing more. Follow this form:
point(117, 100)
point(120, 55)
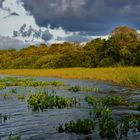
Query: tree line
point(122, 48)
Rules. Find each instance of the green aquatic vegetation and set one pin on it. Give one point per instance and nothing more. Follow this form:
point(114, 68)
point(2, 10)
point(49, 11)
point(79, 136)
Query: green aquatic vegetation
point(138, 106)
point(14, 90)
point(113, 101)
point(2, 86)
point(43, 100)
point(108, 128)
point(107, 113)
point(106, 101)
point(18, 137)
point(101, 113)
point(96, 113)
point(57, 83)
point(86, 89)
point(3, 118)
point(40, 83)
point(138, 124)
point(91, 100)
point(20, 97)
point(125, 124)
point(5, 79)
point(80, 126)
point(74, 89)
point(6, 96)
point(91, 89)
point(14, 81)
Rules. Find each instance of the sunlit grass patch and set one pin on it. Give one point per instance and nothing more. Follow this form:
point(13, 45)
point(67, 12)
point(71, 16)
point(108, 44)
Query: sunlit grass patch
point(128, 76)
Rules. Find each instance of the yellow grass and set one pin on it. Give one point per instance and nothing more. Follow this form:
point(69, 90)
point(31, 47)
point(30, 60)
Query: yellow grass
point(128, 76)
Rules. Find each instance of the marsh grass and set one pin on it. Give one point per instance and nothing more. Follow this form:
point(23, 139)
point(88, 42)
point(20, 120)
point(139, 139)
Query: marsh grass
point(127, 76)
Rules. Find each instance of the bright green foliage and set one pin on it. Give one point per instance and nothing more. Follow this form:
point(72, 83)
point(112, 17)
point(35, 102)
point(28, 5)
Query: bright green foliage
point(14, 90)
point(43, 100)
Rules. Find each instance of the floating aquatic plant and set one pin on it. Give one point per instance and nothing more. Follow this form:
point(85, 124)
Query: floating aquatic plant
point(43, 100)
point(80, 126)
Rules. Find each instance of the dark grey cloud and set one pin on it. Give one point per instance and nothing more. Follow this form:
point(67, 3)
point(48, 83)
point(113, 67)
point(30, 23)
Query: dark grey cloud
point(46, 36)
point(90, 16)
point(14, 14)
point(75, 38)
point(9, 43)
point(1, 1)
point(28, 31)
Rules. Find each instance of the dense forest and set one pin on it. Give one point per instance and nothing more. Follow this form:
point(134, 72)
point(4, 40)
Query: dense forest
point(122, 48)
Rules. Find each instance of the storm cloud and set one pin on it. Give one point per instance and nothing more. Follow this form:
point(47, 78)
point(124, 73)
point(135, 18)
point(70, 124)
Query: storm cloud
point(1, 1)
point(94, 17)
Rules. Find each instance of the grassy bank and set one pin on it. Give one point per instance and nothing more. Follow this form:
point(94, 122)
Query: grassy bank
point(128, 76)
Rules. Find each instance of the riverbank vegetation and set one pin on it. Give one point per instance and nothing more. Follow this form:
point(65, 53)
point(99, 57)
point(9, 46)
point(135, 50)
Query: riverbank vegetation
point(127, 76)
point(122, 48)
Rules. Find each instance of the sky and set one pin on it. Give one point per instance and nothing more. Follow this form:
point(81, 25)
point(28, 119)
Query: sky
point(56, 21)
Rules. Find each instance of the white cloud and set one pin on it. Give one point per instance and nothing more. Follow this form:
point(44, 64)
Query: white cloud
point(9, 23)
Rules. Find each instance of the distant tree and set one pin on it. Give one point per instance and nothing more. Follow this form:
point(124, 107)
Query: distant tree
point(94, 52)
point(106, 62)
point(122, 48)
point(48, 61)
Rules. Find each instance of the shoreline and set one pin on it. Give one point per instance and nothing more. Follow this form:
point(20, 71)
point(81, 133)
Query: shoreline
point(124, 76)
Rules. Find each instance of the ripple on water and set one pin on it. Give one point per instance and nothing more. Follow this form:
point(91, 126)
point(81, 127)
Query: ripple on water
point(42, 125)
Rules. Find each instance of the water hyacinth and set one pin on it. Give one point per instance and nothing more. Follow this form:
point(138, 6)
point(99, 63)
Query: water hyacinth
point(43, 100)
point(107, 101)
point(80, 126)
